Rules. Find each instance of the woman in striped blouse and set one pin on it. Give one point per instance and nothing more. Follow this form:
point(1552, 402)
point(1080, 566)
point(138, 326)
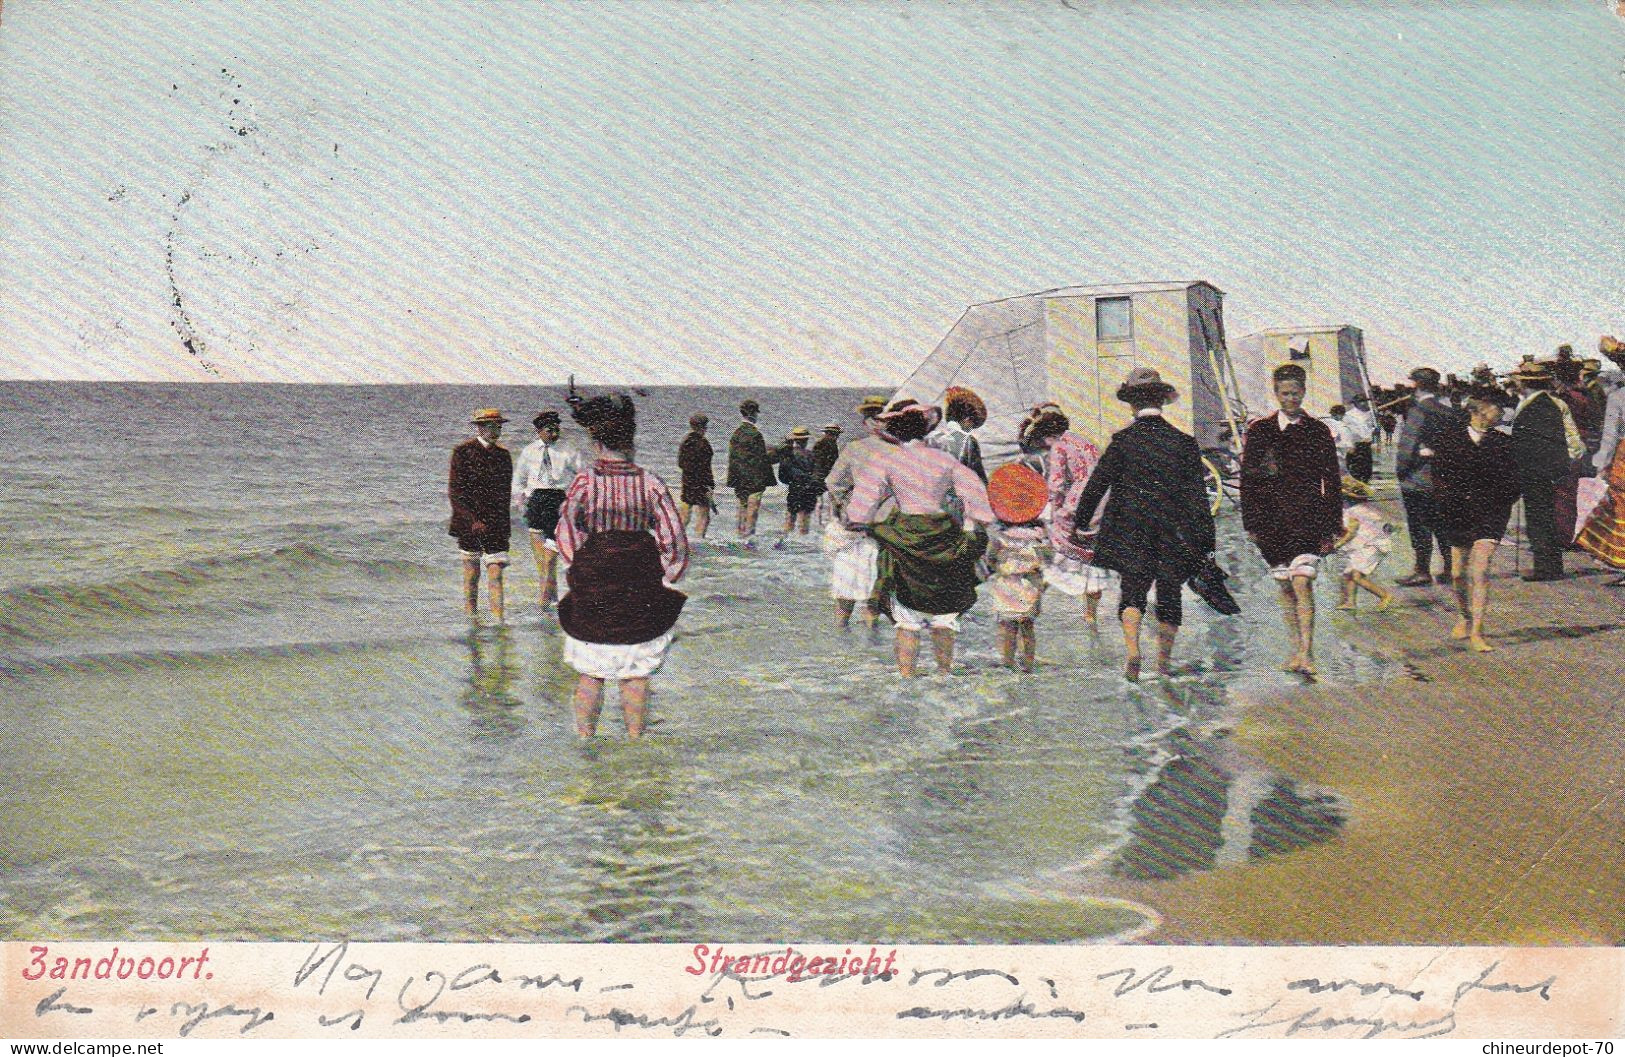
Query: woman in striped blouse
point(620, 531)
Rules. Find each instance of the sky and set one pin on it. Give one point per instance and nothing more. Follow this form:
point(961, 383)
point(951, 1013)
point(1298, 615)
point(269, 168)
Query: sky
point(780, 193)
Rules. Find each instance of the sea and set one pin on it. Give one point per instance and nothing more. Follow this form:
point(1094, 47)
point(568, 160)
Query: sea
point(239, 700)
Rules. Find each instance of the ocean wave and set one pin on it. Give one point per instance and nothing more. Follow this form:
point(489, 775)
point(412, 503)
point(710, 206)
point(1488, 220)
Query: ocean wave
point(37, 611)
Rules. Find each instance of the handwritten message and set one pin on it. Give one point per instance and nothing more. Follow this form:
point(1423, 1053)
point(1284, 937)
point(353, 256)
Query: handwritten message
point(344, 989)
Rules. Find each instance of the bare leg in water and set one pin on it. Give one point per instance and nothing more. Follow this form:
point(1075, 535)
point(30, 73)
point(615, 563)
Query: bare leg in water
point(908, 651)
point(1166, 633)
point(589, 699)
point(1131, 642)
point(942, 644)
point(635, 706)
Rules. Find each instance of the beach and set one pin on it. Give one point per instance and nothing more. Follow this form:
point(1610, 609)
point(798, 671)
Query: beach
point(1485, 793)
point(241, 702)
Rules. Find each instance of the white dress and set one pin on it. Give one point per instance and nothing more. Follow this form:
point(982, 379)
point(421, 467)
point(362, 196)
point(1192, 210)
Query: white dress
point(1371, 542)
point(854, 558)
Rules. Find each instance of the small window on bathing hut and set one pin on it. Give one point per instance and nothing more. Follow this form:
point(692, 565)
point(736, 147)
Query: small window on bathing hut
point(1114, 318)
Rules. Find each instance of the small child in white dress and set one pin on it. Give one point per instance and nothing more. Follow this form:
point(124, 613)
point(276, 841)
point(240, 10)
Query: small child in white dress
point(1366, 541)
point(1017, 554)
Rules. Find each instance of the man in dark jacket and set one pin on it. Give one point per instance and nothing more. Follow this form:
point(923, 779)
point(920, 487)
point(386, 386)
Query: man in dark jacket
point(1428, 414)
point(694, 463)
point(1157, 528)
point(750, 467)
point(1540, 447)
point(479, 486)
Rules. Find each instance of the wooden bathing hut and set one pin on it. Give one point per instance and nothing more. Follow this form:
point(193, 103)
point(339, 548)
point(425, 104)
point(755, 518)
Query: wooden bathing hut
point(1333, 357)
point(1074, 345)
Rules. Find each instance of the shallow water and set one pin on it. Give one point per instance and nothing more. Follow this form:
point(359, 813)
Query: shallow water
point(239, 701)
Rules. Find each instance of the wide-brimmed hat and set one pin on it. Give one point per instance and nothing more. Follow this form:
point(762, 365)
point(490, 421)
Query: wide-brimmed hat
point(1354, 488)
point(965, 403)
point(832, 428)
point(907, 406)
point(871, 405)
point(1145, 383)
point(487, 414)
point(1531, 371)
point(799, 433)
point(1016, 493)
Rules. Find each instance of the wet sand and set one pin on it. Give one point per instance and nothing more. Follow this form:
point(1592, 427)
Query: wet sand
point(1486, 792)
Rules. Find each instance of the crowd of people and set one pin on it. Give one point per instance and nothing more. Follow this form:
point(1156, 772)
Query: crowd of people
point(916, 526)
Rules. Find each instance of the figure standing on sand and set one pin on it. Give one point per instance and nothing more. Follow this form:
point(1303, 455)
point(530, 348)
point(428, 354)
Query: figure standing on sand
point(1291, 505)
point(750, 468)
point(1603, 535)
point(479, 484)
point(1365, 543)
point(1068, 461)
point(544, 470)
point(1477, 479)
point(625, 543)
point(1157, 528)
point(1541, 446)
point(698, 486)
point(1429, 412)
point(927, 566)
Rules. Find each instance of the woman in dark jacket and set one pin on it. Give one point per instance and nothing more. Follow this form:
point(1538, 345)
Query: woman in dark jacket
point(1156, 529)
point(1292, 505)
point(1476, 477)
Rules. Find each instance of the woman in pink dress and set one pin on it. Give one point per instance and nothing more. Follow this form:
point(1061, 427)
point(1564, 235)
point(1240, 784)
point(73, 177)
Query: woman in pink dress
point(1069, 460)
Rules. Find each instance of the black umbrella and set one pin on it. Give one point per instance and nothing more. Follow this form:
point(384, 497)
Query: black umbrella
point(1208, 583)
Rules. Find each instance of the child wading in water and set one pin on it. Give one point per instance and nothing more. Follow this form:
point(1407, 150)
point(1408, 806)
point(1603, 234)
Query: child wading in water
point(1365, 543)
point(1017, 554)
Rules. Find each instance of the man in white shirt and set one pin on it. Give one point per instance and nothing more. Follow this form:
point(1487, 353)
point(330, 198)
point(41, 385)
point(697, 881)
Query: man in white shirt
point(544, 470)
point(1361, 426)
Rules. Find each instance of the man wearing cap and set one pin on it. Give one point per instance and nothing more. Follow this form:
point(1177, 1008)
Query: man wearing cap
point(750, 468)
point(479, 486)
point(842, 476)
point(1540, 447)
point(825, 450)
point(544, 470)
point(797, 473)
point(853, 572)
point(1429, 414)
point(694, 457)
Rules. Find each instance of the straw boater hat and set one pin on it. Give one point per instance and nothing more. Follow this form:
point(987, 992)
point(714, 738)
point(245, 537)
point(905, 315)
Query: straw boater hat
point(1146, 383)
point(799, 433)
point(832, 428)
point(1530, 371)
point(1354, 488)
point(487, 414)
point(1016, 493)
point(871, 406)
